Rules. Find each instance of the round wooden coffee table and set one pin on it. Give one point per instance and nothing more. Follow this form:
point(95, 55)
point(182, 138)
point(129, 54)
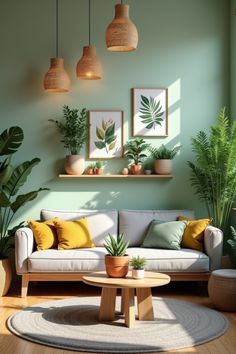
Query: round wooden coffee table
point(129, 286)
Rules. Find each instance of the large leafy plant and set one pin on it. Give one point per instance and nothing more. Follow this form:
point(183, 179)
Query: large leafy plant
point(74, 129)
point(213, 175)
point(134, 150)
point(151, 113)
point(11, 180)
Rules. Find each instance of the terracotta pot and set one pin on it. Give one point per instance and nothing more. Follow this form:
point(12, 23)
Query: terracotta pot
point(138, 273)
point(74, 164)
point(99, 171)
point(163, 167)
point(117, 266)
point(90, 171)
point(5, 276)
point(135, 169)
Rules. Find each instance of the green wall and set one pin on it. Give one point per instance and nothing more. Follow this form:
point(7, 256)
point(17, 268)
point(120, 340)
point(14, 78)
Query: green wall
point(183, 45)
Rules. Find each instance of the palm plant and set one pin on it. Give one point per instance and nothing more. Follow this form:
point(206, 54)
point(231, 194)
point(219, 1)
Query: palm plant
point(213, 175)
point(11, 180)
point(74, 129)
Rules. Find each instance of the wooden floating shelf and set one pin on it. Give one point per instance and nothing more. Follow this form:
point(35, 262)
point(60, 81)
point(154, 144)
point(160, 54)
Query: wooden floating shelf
point(117, 176)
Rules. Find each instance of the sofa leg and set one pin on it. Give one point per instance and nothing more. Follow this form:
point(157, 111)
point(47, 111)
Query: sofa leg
point(24, 285)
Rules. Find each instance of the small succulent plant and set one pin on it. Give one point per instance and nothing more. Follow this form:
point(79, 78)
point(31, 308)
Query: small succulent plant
point(138, 262)
point(116, 246)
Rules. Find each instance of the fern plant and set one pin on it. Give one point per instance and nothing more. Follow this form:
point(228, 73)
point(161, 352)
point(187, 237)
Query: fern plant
point(116, 246)
point(74, 129)
point(163, 153)
point(151, 113)
point(213, 175)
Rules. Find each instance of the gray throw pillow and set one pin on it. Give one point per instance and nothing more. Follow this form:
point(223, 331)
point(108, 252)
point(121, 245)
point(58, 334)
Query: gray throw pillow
point(167, 235)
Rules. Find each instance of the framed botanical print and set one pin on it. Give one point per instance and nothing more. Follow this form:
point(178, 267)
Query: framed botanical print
point(105, 134)
point(150, 112)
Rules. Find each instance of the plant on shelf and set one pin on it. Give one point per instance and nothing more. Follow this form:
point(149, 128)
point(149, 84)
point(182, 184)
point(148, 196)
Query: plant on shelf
point(138, 264)
point(11, 180)
point(148, 166)
point(99, 167)
point(74, 131)
point(134, 151)
point(90, 170)
point(213, 175)
point(163, 158)
point(116, 261)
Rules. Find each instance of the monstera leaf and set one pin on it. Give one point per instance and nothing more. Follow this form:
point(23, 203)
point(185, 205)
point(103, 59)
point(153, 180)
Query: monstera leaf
point(10, 140)
point(151, 113)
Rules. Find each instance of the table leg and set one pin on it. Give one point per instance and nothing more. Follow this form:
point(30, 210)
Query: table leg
point(129, 307)
point(107, 305)
point(145, 308)
point(122, 303)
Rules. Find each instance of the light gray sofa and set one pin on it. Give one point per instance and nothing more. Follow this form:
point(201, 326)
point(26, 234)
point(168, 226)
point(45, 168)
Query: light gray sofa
point(68, 265)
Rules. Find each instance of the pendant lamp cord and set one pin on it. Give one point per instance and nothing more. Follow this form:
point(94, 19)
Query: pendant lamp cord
point(89, 23)
point(57, 28)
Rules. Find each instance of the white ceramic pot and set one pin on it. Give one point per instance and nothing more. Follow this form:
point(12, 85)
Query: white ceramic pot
point(163, 167)
point(138, 273)
point(74, 164)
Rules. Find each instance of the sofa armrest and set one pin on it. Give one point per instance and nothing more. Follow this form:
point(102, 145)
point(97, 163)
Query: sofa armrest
point(24, 243)
point(213, 242)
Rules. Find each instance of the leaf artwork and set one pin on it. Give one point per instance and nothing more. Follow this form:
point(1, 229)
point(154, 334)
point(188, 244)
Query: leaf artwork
point(106, 136)
point(151, 113)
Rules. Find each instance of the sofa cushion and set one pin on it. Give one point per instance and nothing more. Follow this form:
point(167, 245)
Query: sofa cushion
point(193, 236)
point(92, 259)
point(45, 233)
point(100, 222)
point(167, 235)
point(73, 234)
point(134, 223)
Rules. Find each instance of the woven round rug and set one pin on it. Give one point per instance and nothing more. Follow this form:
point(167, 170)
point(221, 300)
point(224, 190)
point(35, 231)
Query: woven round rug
point(73, 324)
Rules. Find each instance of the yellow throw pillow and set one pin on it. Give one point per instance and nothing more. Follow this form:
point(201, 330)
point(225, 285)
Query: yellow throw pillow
point(73, 234)
point(45, 234)
point(194, 233)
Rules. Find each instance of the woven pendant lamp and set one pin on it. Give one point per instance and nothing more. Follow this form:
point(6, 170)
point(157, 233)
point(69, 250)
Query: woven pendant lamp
point(89, 66)
point(56, 79)
point(121, 34)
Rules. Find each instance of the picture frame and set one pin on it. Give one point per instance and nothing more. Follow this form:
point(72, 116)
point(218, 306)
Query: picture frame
point(105, 134)
point(150, 112)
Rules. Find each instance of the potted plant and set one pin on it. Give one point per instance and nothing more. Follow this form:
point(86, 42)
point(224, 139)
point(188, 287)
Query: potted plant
point(11, 180)
point(138, 264)
point(116, 261)
point(74, 130)
point(134, 150)
point(148, 166)
point(99, 167)
point(90, 170)
point(163, 159)
point(213, 175)
point(232, 247)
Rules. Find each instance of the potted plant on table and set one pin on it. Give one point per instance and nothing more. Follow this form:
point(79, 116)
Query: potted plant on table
point(163, 159)
point(138, 264)
point(134, 151)
point(116, 261)
point(74, 130)
point(11, 180)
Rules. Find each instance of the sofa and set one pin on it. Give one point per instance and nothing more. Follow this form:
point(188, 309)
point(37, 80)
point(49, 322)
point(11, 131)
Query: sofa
point(72, 264)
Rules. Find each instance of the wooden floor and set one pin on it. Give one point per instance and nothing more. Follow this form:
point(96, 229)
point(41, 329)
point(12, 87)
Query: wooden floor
point(41, 292)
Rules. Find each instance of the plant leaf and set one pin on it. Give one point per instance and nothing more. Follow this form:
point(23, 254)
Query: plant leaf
point(11, 140)
point(104, 125)
point(110, 131)
point(150, 112)
point(25, 198)
point(100, 133)
point(4, 201)
point(99, 144)
point(112, 146)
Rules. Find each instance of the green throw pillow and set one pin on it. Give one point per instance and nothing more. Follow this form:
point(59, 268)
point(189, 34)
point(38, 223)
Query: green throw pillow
point(166, 235)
